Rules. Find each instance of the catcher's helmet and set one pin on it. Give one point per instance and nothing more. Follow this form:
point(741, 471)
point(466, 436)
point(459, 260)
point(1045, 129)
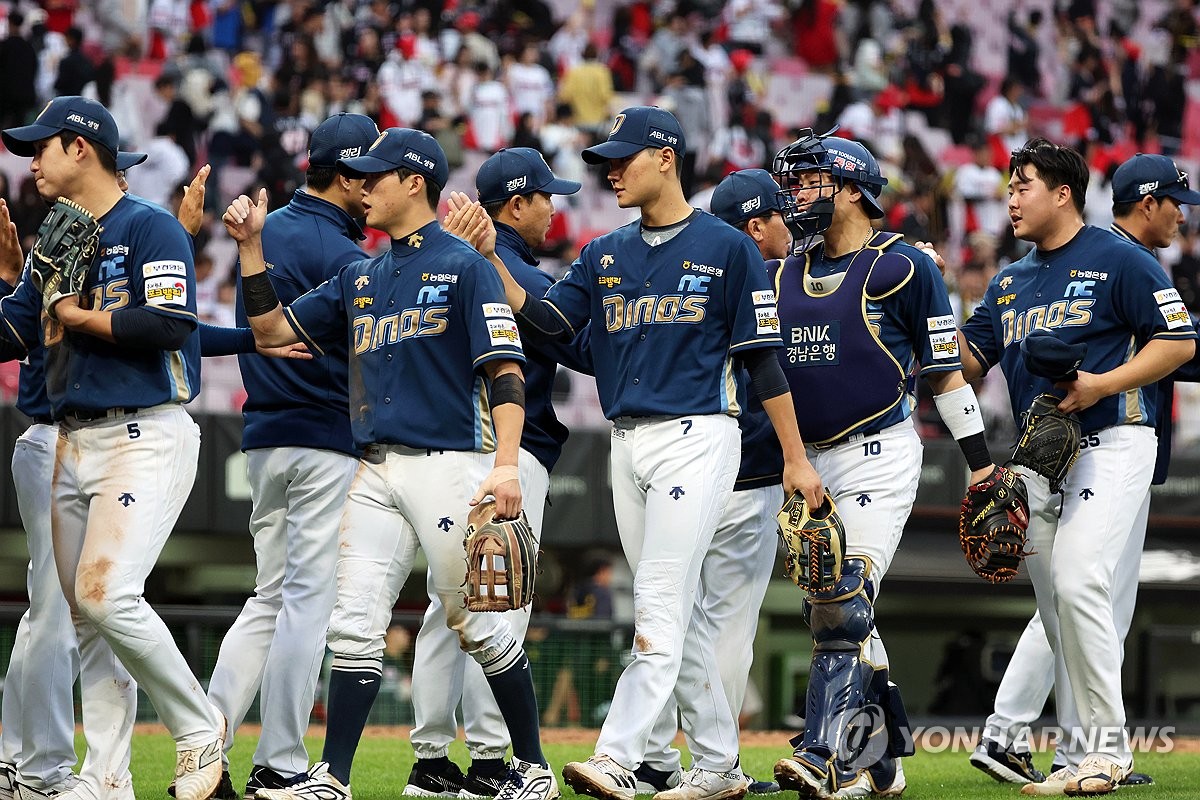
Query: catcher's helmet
point(842, 159)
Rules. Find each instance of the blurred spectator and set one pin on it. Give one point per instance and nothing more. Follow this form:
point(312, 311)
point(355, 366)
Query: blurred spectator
point(592, 598)
point(530, 86)
point(525, 134)
point(402, 79)
point(749, 23)
point(877, 119)
point(18, 65)
point(661, 57)
point(490, 121)
point(480, 47)
point(688, 102)
point(982, 189)
point(588, 88)
point(177, 121)
point(167, 166)
point(962, 85)
point(562, 142)
point(1024, 52)
point(567, 44)
point(75, 70)
point(1005, 118)
point(869, 74)
point(815, 35)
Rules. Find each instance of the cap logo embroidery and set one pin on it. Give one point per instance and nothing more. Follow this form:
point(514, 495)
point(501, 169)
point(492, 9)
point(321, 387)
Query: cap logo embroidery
point(417, 158)
point(751, 205)
point(516, 183)
point(1147, 188)
point(79, 119)
point(376, 143)
point(350, 152)
point(617, 123)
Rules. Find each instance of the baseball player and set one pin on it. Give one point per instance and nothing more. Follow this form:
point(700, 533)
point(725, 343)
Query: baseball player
point(1085, 285)
point(862, 314)
point(674, 300)
point(429, 307)
point(118, 369)
point(301, 458)
point(737, 568)
point(1148, 194)
point(515, 187)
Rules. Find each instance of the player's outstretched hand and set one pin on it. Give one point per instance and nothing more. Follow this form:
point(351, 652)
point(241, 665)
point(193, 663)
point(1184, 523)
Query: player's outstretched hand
point(12, 260)
point(298, 350)
point(191, 209)
point(800, 476)
point(468, 220)
point(928, 249)
point(503, 483)
point(244, 219)
point(1082, 393)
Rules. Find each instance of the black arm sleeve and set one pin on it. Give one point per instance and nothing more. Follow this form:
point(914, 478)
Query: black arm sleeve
point(218, 341)
point(539, 324)
point(145, 330)
point(766, 375)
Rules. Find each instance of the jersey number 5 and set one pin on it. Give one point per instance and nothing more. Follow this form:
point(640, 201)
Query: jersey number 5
point(134, 432)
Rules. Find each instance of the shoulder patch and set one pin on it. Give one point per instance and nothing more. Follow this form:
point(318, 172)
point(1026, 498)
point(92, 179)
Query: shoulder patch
point(1166, 296)
point(491, 310)
point(945, 323)
point(153, 268)
point(763, 298)
point(166, 290)
point(1176, 315)
point(503, 332)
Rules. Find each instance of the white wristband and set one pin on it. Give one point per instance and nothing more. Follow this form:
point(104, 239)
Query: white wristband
point(960, 411)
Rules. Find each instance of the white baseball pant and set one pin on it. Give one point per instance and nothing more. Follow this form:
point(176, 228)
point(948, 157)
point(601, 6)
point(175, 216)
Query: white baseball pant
point(278, 639)
point(415, 496)
point(672, 478)
point(1082, 537)
point(733, 582)
point(119, 485)
point(442, 673)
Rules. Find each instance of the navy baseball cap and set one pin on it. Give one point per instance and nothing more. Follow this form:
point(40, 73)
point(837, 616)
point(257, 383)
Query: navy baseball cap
point(518, 170)
point(341, 136)
point(398, 148)
point(1047, 356)
point(635, 129)
point(745, 194)
point(1154, 175)
point(79, 115)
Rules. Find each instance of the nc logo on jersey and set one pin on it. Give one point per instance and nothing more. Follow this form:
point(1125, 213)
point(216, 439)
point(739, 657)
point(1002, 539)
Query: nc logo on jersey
point(1079, 288)
point(415, 240)
point(1005, 282)
point(693, 283)
point(606, 261)
point(609, 281)
point(361, 282)
point(363, 302)
point(433, 294)
point(1005, 299)
point(516, 183)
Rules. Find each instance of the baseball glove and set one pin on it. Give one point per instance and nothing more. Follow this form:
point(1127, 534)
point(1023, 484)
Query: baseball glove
point(501, 561)
point(992, 523)
point(66, 244)
point(815, 543)
point(1049, 442)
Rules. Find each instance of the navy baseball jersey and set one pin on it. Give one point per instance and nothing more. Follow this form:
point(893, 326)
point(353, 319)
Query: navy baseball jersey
point(850, 322)
point(144, 260)
point(1099, 289)
point(543, 435)
point(31, 387)
point(420, 320)
point(667, 320)
point(292, 403)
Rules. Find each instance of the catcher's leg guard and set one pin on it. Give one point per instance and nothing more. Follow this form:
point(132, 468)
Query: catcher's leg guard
point(841, 622)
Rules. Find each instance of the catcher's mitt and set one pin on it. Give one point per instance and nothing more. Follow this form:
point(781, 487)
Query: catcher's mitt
point(66, 244)
point(815, 540)
point(992, 523)
point(1049, 442)
point(501, 560)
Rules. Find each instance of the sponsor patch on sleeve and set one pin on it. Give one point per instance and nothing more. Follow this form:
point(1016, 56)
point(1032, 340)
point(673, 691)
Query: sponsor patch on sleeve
point(768, 320)
point(1176, 315)
point(497, 310)
point(154, 268)
point(945, 323)
point(944, 346)
point(763, 298)
point(1166, 296)
point(166, 290)
point(504, 332)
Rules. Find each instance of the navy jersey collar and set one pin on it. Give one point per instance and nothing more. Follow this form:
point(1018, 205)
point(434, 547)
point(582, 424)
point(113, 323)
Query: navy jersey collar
point(507, 236)
point(1124, 234)
point(315, 205)
point(413, 243)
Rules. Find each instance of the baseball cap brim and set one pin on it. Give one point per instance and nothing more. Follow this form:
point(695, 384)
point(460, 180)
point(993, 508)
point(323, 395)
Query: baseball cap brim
point(125, 159)
point(366, 165)
point(21, 141)
point(1186, 196)
point(612, 150)
point(561, 186)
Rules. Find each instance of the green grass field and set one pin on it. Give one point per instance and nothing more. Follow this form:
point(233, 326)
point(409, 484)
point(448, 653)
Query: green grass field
point(383, 762)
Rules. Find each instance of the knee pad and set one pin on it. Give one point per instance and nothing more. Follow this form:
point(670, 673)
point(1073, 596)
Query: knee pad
point(842, 620)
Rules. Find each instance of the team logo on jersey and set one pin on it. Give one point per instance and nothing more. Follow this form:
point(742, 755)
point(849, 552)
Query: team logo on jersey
point(361, 282)
point(153, 268)
point(944, 323)
point(415, 240)
point(363, 302)
point(1005, 299)
point(1005, 281)
point(693, 283)
point(1079, 288)
point(651, 309)
point(944, 345)
point(516, 184)
point(433, 294)
point(609, 281)
point(617, 123)
point(606, 261)
point(704, 268)
point(1089, 273)
point(166, 290)
point(503, 332)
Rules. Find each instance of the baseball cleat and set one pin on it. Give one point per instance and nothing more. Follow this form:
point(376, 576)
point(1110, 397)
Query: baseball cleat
point(434, 778)
point(761, 787)
point(481, 786)
point(1006, 766)
point(804, 778)
point(319, 786)
point(887, 778)
point(198, 771)
point(653, 781)
point(528, 781)
point(1096, 775)
point(601, 777)
point(8, 780)
point(1055, 784)
point(1137, 779)
point(264, 778)
point(63, 790)
point(703, 784)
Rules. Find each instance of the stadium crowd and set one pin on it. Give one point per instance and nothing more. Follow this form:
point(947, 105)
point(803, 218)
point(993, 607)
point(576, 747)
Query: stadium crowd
point(939, 94)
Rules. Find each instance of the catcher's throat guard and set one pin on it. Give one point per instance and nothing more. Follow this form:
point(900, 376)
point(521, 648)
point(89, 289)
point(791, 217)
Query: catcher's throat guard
point(816, 543)
point(501, 561)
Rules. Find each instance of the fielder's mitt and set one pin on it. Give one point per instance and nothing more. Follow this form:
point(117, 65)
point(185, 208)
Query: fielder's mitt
point(992, 523)
point(815, 543)
point(501, 561)
point(1049, 442)
point(66, 244)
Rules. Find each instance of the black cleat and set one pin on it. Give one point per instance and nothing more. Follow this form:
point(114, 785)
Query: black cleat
point(1006, 766)
point(434, 778)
